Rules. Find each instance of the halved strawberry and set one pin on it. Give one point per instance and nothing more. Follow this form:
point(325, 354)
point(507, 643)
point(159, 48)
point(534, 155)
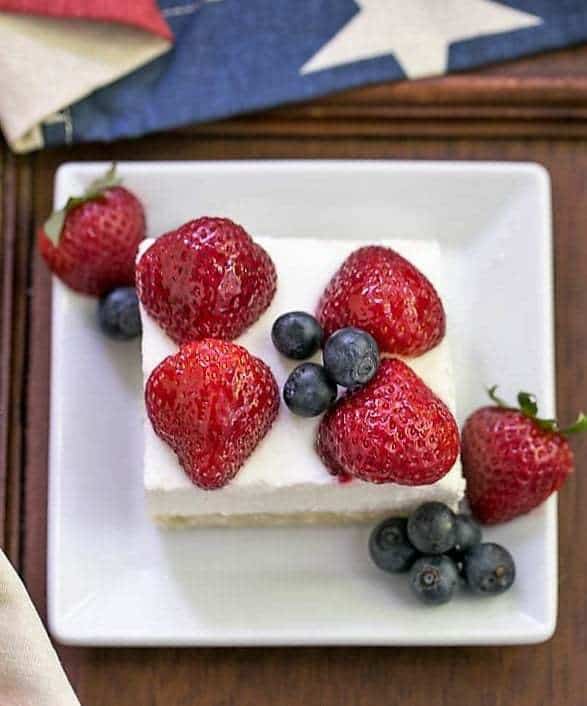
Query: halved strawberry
point(392, 430)
point(212, 402)
point(207, 278)
point(379, 291)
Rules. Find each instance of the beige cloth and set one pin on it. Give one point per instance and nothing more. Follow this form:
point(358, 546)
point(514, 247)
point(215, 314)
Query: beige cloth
point(47, 64)
point(30, 672)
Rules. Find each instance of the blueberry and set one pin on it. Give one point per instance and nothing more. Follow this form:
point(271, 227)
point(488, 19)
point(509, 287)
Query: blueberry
point(433, 579)
point(118, 314)
point(432, 528)
point(297, 335)
point(309, 391)
point(489, 569)
point(390, 547)
point(457, 557)
point(468, 533)
point(351, 357)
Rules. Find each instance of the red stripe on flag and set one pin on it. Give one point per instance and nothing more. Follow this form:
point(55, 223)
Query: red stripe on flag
point(143, 14)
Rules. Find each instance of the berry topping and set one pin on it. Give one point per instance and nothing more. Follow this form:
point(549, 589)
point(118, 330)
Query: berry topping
point(468, 533)
point(91, 244)
point(433, 579)
point(378, 290)
point(296, 335)
point(309, 391)
point(440, 549)
point(118, 314)
point(212, 402)
point(512, 460)
point(489, 569)
point(392, 430)
point(208, 278)
point(351, 357)
point(432, 528)
point(390, 547)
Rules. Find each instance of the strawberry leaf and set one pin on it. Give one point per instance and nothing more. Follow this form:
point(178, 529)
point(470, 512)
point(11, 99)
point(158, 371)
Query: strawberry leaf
point(54, 224)
point(529, 408)
point(527, 402)
point(102, 183)
point(498, 401)
point(579, 425)
point(546, 424)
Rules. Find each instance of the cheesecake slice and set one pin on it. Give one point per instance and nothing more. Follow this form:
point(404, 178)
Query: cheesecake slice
point(284, 480)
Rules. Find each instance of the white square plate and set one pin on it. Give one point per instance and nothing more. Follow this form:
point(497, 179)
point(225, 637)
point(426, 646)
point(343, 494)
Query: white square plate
point(115, 579)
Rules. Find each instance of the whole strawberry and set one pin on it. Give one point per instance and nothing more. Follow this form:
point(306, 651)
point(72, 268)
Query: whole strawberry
point(392, 430)
point(91, 244)
point(207, 278)
point(379, 291)
point(212, 402)
point(512, 460)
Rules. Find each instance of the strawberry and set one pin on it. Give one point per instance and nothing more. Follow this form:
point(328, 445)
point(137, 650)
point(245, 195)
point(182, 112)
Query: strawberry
point(212, 402)
point(379, 291)
point(512, 460)
point(208, 278)
point(91, 244)
point(392, 430)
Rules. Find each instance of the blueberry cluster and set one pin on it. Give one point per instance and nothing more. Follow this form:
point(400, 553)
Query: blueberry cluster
point(350, 359)
point(118, 314)
point(440, 549)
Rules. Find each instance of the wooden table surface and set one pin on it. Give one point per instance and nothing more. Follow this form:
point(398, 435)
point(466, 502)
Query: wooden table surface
point(535, 110)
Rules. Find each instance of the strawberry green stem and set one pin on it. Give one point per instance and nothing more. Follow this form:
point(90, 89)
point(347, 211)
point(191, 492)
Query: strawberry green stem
point(54, 224)
point(579, 425)
point(528, 405)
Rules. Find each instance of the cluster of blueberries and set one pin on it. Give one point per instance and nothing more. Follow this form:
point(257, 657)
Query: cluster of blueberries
point(118, 314)
point(440, 549)
point(350, 359)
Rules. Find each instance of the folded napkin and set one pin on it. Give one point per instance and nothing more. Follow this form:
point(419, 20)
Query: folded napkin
point(136, 13)
point(232, 56)
point(55, 52)
point(30, 673)
point(65, 83)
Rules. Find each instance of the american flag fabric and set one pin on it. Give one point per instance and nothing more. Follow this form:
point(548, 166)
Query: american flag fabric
point(143, 14)
point(53, 53)
point(235, 56)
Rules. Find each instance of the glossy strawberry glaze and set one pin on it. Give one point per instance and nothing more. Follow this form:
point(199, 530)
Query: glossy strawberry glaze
point(212, 402)
point(392, 430)
point(208, 278)
point(378, 290)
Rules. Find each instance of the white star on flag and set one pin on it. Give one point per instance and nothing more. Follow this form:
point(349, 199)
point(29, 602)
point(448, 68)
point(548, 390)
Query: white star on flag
point(417, 32)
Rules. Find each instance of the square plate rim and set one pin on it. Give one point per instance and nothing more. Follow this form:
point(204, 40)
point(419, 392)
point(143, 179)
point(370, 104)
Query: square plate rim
point(539, 631)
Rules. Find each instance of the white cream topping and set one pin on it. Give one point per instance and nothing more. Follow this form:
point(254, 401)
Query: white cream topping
point(284, 474)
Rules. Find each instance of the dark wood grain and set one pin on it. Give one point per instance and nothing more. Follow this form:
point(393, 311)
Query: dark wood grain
point(6, 229)
point(321, 677)
point(411, 121)
point(14, 248)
